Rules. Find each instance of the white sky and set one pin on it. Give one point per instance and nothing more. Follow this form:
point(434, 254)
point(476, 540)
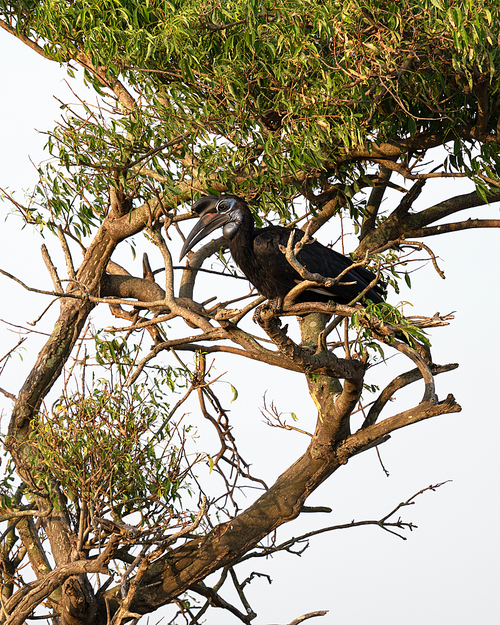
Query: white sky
point(448, 569)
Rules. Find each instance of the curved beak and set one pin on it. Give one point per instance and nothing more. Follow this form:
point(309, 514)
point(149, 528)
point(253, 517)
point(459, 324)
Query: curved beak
point(207, 223)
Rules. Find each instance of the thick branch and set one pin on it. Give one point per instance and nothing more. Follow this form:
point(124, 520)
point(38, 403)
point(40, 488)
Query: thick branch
point(20, 606)
point(397, 226)
point(374, 202)
point(449, 207)
point(324, 362)
point(130, 287)
point(400, 382)
point(364, 438)
point(192, 562)
point(456, 227)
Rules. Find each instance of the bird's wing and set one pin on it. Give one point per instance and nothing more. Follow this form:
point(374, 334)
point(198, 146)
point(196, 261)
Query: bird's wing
point(316, 258)
point(329, 263)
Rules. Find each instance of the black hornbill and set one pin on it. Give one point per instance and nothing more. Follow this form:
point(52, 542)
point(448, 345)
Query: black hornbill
point(256, 252)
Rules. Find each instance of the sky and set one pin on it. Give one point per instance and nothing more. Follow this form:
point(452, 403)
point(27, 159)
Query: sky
point(447, 570)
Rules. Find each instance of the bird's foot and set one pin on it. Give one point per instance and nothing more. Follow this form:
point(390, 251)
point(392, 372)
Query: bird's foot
point(276, 305)
point(271, 306)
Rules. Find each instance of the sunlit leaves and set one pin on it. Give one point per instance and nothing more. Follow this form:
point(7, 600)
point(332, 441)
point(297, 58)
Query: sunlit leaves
point(112, 445)
point(331, 76)
point(392, 316)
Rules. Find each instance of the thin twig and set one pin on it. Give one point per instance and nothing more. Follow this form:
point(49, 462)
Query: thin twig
point(422, 246)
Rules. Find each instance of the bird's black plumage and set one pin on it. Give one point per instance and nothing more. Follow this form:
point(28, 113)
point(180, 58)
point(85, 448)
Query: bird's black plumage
point(256, 252)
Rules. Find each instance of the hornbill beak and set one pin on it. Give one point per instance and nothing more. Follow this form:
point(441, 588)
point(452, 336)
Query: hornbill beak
point(209, 221)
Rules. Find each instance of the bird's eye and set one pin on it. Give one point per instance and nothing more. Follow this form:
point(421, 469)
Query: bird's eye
point(224, 206)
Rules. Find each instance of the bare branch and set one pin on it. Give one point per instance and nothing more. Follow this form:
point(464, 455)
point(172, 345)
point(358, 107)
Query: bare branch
point(215, 599)
point(67, 254)
point(212, 335)
point(431, 231)
point(52, 270)
point(374, 201)
point(8, 395)
point(20, 606)
point(423, 367)
point(448, 207)
point(400, 382)
point(426, 410)
point(384, 523)
point(307, 616)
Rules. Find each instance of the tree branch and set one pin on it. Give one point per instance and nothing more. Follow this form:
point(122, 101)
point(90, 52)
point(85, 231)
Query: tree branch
point(470, 224)
point(20, 606)
point(400, 382)
point(449, 207)
point(374, 202)
point(363, 438)
point(26, 40)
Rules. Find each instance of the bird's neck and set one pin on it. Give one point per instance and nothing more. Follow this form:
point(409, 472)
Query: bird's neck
point(241, 246)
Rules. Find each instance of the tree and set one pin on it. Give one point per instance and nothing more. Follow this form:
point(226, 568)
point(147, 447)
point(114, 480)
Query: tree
point(311, 112)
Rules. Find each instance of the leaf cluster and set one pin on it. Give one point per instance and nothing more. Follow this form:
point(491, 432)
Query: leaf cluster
point(112, 446)
point(266, 96)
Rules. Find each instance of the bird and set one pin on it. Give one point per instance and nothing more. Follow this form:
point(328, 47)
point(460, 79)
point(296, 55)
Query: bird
point(257, 253)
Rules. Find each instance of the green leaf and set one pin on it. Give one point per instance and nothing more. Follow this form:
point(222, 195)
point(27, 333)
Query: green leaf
point(438, 4)
point(235, 393)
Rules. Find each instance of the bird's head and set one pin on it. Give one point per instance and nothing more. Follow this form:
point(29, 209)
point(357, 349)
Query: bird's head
point(215, 212)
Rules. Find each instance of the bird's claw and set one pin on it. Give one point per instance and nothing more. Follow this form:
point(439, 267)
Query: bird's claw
point(272, 306)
